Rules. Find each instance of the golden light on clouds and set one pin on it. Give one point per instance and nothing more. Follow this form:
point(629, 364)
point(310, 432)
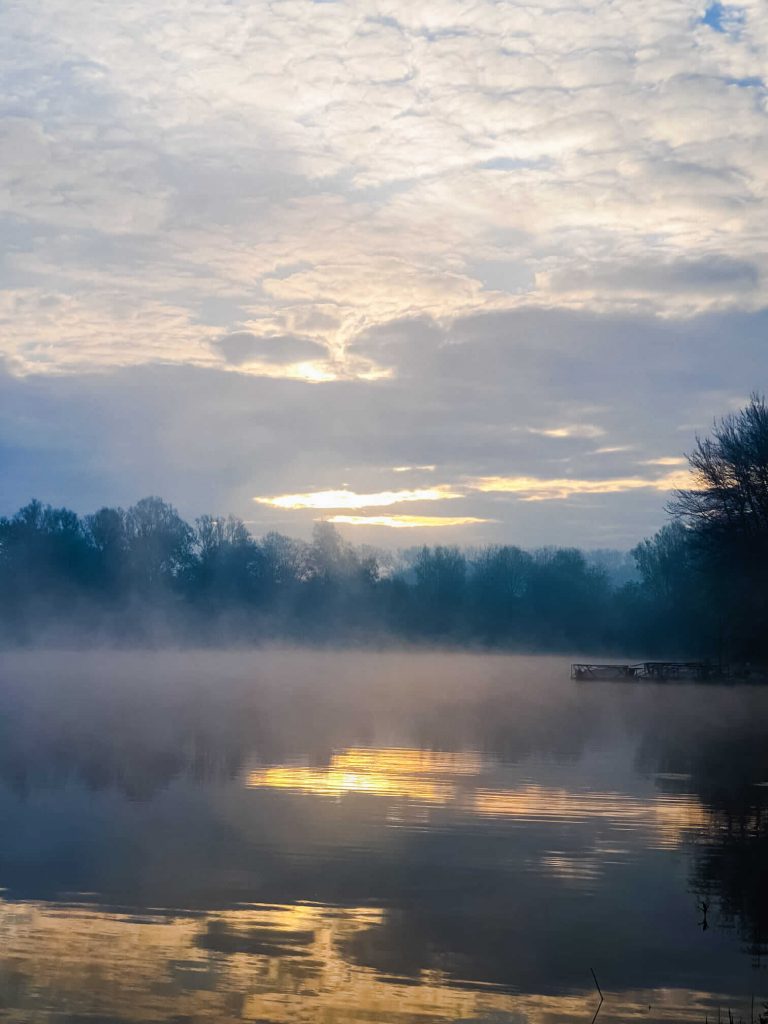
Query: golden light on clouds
point(525, 488)
point(308, 373)
point(312, 373)
point(586, 430)
point(531, 488)
point(405, 522)
point(665, 460)
point(351, 499)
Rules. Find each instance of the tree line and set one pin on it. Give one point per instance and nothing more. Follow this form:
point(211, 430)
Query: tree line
point(143, 574)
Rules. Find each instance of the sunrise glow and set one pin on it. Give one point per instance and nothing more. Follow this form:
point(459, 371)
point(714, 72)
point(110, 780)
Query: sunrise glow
point(353, 500)
point(559, 489)
point(405, 522)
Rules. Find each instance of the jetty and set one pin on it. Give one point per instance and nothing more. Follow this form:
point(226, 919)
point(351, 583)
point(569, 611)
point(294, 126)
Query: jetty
point(653, 671)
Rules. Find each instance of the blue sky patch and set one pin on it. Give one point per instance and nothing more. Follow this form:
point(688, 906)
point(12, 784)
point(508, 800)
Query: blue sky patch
point(713, 16)
point(725, 18)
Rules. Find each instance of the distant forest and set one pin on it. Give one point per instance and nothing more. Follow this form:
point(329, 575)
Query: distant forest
point(144, 575)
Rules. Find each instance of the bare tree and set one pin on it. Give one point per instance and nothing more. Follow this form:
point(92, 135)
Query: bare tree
point(729, 500)
point(726, 517)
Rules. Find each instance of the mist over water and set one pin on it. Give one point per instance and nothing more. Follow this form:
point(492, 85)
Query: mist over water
point(293, 835)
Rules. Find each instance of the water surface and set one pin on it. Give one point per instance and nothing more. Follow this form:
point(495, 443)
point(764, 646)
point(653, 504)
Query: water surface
point(375, 837)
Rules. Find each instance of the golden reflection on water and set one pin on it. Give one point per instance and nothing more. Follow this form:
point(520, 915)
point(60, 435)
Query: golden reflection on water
point(447, 779)
point(279, 964)
point(421, 775)
point(669, 819)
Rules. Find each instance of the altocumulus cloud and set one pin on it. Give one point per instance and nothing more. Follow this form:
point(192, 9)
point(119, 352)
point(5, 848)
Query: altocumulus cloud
point(314, 170)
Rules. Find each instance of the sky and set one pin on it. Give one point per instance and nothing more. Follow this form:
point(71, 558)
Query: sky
point(454, 271)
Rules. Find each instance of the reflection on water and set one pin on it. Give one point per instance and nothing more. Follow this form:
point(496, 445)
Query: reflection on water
point(257, 963)
point(402, 776)
point(374, 838)
point(390, 772)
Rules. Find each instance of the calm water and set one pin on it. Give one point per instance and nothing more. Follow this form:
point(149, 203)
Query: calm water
point(335, 838)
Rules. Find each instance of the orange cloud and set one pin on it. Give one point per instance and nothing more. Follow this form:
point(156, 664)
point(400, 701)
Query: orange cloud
point(407, 522)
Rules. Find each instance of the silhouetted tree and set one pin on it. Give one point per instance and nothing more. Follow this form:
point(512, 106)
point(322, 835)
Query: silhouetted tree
point(672, 613)
point(338, 587)
point(729, 500)
point(159, 544)
point(566, 599)
point(109, 537)
point(726, 512)
point(41, 542)
point(498, 583)
point(228, 566)
point(441, 574)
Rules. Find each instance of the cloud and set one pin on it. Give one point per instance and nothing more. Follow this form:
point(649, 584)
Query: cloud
point(538, 489)
point(400, 522)
point(709, 278)
point(587, 430)
point(242, 347)
point(380, 163)
point(349, 499)
point(665, 460)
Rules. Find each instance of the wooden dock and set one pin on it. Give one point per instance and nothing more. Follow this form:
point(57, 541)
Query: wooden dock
point(653, 671)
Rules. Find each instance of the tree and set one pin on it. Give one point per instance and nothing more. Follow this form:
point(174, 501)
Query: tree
point(566, 599)
point(441, 574)
point(42, 548)
point(728, 503)
point(46, 564)
point(498, 582)
point(285, 560)
point(672, 613)
point(159, 543)
point(665, 563)
point(726, 512)
point(228, 564)
point(337, 592)
point(109, 537)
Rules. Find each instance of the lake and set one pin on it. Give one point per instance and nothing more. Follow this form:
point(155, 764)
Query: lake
point(323, 837)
